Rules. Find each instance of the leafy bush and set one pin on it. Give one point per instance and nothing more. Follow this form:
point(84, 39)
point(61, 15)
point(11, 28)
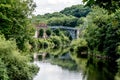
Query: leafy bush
point(33, 43)
point(57, 32)
point(16, 65)
point(79, 45)
point(102, 33)
point(79, 42)
point(43, 43)
point(56, 40)
point(76, 10)
point(3, 71)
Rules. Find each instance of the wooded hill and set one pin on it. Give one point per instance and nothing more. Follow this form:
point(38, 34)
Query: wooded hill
point(70, 16)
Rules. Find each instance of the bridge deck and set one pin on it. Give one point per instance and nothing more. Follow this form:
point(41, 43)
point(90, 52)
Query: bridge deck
point(63, 27)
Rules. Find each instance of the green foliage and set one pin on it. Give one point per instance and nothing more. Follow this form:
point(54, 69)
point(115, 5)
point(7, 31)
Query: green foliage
point(63, 35)
point(33, 44)
point(66, 64)
point(110, 5)
point(67, 17)
point(78, 46)
point(48, 32)
point(55, 21)
point(70, 21)
point(15, 26)
point(118, 61)
point(76, 10)
point(56, 40)
point(44, 43)
point(117, 77)
point(39, 43)
point(67, 35)
point(15, 65)
point(14, 22)
point(79, 42)
point(41, 32)
point(80, 21)
point(56, 32)
point(55, 14)
point(96, 28)
point(63, 21)
point(45, 17)
point(118, 49)
point(3, 71)
point(102, 33)
point(65, 38)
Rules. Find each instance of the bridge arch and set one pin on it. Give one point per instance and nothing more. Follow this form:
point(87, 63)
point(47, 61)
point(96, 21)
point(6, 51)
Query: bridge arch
point(74, 32)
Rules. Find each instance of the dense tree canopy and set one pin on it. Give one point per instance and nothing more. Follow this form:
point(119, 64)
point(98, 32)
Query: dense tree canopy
point(14, 22)
point(76, 10)
point(13, 65)
point(102, 33)
point(17, 31)
point(67, 17)
point(110, 5)
point(63, 21)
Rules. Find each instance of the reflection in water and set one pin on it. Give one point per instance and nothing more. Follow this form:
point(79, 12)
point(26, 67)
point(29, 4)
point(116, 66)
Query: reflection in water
point(54, 72)
point(65, 64)
point(100, 70)
point(89, 69)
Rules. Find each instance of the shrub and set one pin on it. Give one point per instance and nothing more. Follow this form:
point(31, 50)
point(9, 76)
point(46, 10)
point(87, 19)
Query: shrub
point(56, 40)
point(15, 65)
point(3, 71)
point(57, 32)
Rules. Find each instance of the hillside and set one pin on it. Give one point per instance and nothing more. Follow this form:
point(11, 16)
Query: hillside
point(70, 16)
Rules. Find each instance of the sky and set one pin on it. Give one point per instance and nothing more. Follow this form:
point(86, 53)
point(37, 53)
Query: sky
point(50, 6)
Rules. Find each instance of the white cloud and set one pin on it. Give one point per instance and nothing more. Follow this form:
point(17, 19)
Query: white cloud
point(49, 6)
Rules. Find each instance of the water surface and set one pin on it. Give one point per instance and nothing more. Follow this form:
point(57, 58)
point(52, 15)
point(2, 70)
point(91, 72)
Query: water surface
point(55, 72)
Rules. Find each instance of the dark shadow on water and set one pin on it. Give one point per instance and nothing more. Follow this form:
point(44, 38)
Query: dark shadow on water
point(100, 69)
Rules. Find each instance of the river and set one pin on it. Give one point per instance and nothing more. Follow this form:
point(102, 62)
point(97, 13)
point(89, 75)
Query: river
point(72, 66)
point(55, 72)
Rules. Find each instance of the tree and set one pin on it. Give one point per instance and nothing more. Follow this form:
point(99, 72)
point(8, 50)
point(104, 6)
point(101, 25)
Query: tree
point(54, 21)
point(110, 5)
point(55, 14)
point(3, 71)
point(57, 32)
point(76, 10)
point(45, 17)
point(13, 65)
point(14, 21)
point(102, 33)
point(56, 40)
point(67, 17)
point(70, 21)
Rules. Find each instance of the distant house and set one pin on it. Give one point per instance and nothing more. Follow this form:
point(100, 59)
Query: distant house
point(38, 27)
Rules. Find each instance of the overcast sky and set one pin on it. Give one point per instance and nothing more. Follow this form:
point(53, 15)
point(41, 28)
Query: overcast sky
point(49, 6)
